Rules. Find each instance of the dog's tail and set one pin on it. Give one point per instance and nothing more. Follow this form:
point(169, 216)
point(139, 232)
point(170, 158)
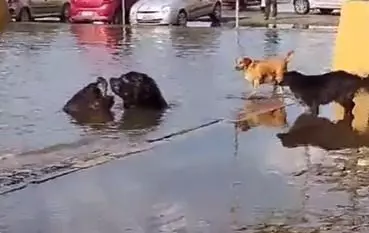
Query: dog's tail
point(289, 55)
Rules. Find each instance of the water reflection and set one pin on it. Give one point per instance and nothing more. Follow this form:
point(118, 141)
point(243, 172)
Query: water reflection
point(186, 41)
point(97, 119)
point(323, 133)
point(115, 39)
point(271, 45)
point(141, 119)
point(262, 111)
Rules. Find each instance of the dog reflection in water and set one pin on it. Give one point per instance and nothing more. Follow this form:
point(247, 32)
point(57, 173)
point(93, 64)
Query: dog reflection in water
point(321, 132)
point(262, 111)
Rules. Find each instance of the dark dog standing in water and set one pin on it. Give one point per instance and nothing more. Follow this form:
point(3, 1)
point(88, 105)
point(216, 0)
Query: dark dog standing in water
point(138, 90)
point(91, 103)
point(315, 90)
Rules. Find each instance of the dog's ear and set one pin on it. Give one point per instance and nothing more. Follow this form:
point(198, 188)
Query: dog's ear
point(246, 61)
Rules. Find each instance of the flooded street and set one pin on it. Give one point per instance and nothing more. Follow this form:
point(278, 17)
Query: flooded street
point(209, 180)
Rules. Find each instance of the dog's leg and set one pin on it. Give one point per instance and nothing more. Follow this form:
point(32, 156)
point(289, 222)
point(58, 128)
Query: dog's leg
point(253, 92)
point(255, 84)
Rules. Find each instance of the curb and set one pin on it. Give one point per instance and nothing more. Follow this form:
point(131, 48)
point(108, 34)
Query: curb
point(287, 26)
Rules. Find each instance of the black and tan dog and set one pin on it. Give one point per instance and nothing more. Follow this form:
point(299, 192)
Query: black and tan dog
point(315, 90)
point(138, 90)
point(91, 103)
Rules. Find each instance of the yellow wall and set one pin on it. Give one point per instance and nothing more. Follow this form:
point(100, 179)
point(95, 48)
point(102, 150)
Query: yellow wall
point(352, 54)
point(4, 14)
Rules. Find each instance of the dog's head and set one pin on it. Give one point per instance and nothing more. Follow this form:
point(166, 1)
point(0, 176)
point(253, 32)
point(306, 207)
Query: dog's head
point(91, 99)
point(137, 90)
point(242, 63)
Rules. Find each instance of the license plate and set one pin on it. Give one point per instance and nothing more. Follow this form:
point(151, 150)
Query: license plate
point(87, 13)
point(146, 17)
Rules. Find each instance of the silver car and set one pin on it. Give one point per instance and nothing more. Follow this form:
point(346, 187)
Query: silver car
point(27, 10)
point(175, 12)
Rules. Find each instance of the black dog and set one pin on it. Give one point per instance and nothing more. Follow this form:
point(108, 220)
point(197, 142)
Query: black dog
point(138, 90)
point(315, 90)
point(91, 102)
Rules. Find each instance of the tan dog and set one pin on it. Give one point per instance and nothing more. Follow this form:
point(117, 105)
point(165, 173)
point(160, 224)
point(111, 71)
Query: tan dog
point(258, 72)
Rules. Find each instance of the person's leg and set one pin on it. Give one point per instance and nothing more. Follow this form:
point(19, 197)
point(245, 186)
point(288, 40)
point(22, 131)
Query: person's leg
point(267, 9)
point(274, 8)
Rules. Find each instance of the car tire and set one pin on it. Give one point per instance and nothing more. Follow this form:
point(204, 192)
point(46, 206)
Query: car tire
point(326, 11)
point(65, 13)
point(301, 7)
point(216, 15)
point(182, 18)
point(24, 15)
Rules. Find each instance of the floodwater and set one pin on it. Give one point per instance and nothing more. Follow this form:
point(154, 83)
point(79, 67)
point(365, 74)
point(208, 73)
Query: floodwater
point(209, 180)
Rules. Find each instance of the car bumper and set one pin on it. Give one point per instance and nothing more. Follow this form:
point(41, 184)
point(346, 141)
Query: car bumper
point(90, 15)
point(151, 19)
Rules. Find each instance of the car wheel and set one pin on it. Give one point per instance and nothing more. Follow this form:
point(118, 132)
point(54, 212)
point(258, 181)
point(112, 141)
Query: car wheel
point(24, 15)
point(182, 18)
point(216, 15)
point(65, 13)
point(326, 11)
point(301, 7)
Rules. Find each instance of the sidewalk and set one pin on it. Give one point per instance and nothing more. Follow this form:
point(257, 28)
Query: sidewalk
point(286, 18)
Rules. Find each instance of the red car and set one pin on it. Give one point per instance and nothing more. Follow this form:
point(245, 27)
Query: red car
point(108, 11)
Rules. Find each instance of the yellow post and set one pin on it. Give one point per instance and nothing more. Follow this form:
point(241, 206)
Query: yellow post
point(352, 54)
point(4, 14)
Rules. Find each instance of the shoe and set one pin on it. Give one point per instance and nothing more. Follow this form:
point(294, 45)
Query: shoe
point(266, 17)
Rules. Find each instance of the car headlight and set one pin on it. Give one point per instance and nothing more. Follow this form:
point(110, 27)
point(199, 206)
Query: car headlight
point(165, 9)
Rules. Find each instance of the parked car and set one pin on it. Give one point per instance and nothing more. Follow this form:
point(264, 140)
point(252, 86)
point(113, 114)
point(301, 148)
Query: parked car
point(175, 12)
point(325, 6)
point(108, 11)
point(4, 14)
point(27, 10)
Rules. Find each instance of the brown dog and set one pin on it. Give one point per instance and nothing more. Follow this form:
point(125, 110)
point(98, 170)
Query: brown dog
point(258, 72)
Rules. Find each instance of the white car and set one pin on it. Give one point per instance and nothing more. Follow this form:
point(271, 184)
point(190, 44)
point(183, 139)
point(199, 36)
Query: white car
point(175, 12)
point(324, 6)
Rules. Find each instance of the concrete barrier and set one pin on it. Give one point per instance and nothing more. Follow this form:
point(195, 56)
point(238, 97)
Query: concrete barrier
point(352, 54)
point(4, 14)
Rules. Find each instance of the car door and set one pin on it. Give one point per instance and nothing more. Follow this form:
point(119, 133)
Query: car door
point(206, 7)
point(54, 7)
point(38, 7)
point(193, 8)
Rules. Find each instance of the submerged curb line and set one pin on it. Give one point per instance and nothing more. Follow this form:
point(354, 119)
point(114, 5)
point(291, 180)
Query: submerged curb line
point(105, 158)
point(290, 26)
